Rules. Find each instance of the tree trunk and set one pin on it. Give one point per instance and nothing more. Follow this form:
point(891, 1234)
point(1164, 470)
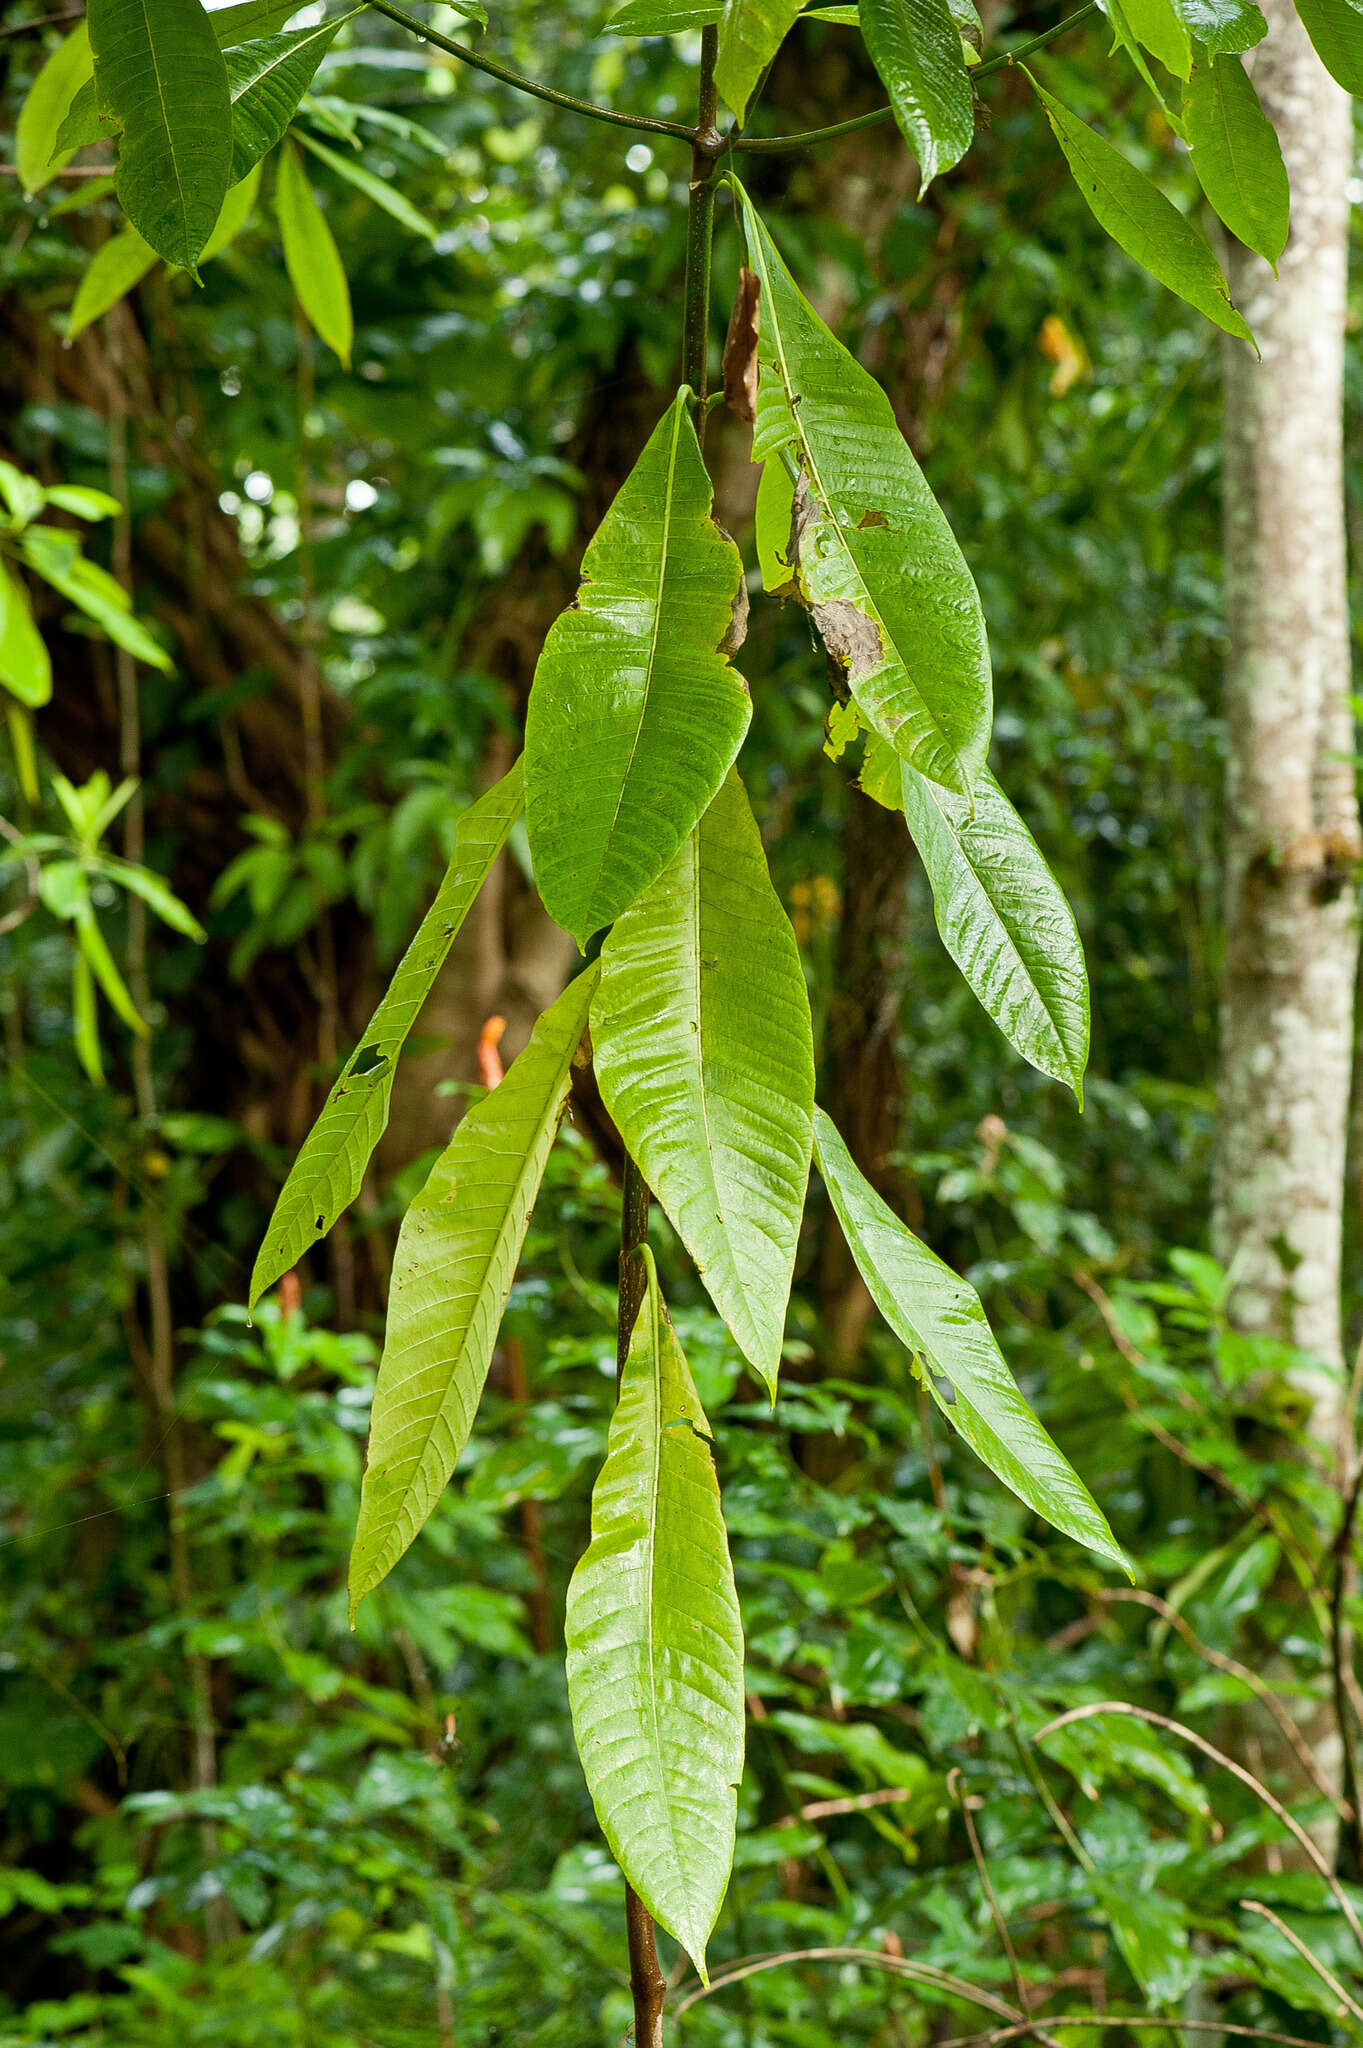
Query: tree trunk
point(1292, 815)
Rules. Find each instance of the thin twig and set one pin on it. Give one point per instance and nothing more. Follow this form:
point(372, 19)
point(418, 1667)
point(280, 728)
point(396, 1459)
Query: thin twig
point(41, 21)
point(998, 2035)
point(857, 1802)
point(1313, 1961)
point(645, 122)
point(1263, 1692)
point(1218, 1756)
point(956, 1790)
point(871, 1959)
point(764, 145)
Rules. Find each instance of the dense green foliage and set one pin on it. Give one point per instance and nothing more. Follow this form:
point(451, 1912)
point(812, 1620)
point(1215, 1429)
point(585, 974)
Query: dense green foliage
point(399, 1846)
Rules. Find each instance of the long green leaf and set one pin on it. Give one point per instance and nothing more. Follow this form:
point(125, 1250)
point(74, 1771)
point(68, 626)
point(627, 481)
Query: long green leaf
point(705, 1059)
point(25, 666)
point(249, 20)
point(916, 47)
point(1336, 31)
point(655, 1645)
point(49, 101)
point(939, 1317)
point(1227, 27)
point(878, 565)
point(1141, 220)
point(327, 1173)
point(635, 715)
point(1004, 921)
point(452, 1272)
point(750, 34)
point(52, 553)
point(116, 266)
point(311, 257)
point(1236, 156)
point(385, 196)
point(160, 75)
point(267, 79)
point(237, 208)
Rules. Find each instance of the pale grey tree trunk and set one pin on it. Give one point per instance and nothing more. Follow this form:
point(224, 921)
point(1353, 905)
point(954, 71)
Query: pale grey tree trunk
point(1292, 813)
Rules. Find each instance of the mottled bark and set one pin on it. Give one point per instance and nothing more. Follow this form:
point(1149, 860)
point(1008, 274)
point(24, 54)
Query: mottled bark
point(1292, 814)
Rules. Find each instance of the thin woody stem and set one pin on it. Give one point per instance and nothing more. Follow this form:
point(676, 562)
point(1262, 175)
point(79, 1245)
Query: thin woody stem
point(555, 98)
point(700, 228)
point(767, 144)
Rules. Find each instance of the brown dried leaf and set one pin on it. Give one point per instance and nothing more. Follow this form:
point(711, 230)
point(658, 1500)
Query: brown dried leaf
point(740, 348)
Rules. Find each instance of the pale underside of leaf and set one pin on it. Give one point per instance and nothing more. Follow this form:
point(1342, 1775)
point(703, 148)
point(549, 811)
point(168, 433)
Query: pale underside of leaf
point(655, 1645)
point(452, 1272)
point(938, 1316)
point(1004, 921)
point(878, 565)
point(636, 714)
point(704, 1055)
point(328, 1171)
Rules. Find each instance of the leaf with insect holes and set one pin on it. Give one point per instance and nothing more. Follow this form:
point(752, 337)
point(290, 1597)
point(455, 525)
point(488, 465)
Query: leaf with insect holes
point(636, 713)
point(452, 1272)
point(878, 565)
point(705, 1058)
point(328, 1171)
point(655, 1644)
point(161, 78)
point(939, 1317)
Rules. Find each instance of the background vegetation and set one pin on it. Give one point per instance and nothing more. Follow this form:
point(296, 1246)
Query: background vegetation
point(226, 1818)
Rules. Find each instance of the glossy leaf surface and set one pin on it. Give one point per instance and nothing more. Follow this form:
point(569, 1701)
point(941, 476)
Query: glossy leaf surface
point(1142, 221)
point(1236, 156)
point(939, 1317)
point(267, 79)
point(1159, 26)
point(635, 714)
point(327, 1173)
point(704, 1054)
point(750, 34)
point(452, 1272)
point(310, 256)
point(879, 567)
point(160, 75)
point(1227, 27)
point(1004, 921)
point(655, 1645)
point(49, 101)
point(663, 17)
point(916, 47)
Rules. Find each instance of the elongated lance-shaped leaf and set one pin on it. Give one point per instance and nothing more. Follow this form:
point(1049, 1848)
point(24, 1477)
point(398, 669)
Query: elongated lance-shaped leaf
point(915, 45)
point(655, 1644)
point(25, 665)
point(879, 567)
point(1336, 31)
point(327, 1173)
point(452, 1272)
point(705, 1059)
point(116, 266)
point(267, 79)
point(1004, 921)
point(1159, 26)
point(750, 34)
point(940, 1318)
point(46, 107)
point(1236, 156)
point(1141, 220)
point(160, 75)
point(636, 715)
point(311, 256)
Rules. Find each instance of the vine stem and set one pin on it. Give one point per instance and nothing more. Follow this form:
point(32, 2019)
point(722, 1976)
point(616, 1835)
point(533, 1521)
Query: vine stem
point(645, 122)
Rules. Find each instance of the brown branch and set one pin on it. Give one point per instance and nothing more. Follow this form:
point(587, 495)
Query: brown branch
point(1313, 1961)
point(956, 1789)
